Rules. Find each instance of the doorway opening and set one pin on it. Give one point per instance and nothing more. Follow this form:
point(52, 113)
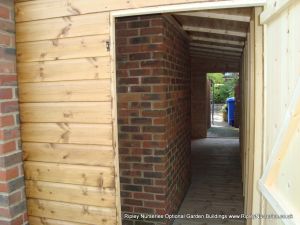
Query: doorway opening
point(162, 61)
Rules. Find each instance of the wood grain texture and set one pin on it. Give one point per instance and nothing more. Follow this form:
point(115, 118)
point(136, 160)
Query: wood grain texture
point(63, 70)
point(33, 220)
point(93, 155)
point(74, 112)
point(42, 9)
point(67, 133)
point(71, 212)
point(66, 91)
point(66, 48)
point(101, 177)
point(77, 194)
point(72, 26)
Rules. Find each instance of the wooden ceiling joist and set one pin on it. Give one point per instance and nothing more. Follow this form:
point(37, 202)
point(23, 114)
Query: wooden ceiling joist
point(215, 54)
point(194, 44)
point(223, 41)
point(215, 58)
point(222, 16)
point(215, 31)
point(195, 49)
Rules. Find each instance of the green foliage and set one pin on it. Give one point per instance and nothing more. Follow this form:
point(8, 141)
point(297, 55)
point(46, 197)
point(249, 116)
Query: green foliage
point(223, 88)
point(217, 78)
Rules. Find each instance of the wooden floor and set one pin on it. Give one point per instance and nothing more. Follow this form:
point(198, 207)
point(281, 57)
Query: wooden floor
point(216, 186)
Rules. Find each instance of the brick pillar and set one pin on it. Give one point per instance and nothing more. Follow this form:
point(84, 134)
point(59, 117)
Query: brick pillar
point(12, 197)
point(153, 81)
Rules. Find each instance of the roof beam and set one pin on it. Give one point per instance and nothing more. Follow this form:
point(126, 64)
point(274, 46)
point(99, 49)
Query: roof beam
point(222, 16)
point(216, 58)
point(214, 54)
point(215, 51)
point(215, 31)
point(195, 44)
point(222, 41)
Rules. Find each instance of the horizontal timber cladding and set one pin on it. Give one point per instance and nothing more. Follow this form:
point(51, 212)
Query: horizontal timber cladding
point(66, 91)
point(76, 112)
point(72, 26)
point(66, 48)
point(70, 174)
point(40, 9)
point(64, 76)
point(67, 133)
point(93, 155)
point(93, 68)
point(72, 212)
point(104, 197)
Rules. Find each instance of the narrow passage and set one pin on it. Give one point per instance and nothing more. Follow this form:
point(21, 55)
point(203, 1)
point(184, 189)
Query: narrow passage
point(216, 186)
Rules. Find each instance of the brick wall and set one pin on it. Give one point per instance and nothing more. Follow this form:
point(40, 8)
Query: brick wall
point(153, 82)
point(200, 99)
point(12, 198)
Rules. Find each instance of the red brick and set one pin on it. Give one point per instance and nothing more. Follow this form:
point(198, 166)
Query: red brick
point(7, 147)
point(19, 220)
point(8, 80)
point(6, 121)
point(7, 107)
point(155, 204)
point(10, 133)
point(152, 30)
point(9, 174)
point(4, 12)
point(5, 40)
point(145, 196)
point(6, 93)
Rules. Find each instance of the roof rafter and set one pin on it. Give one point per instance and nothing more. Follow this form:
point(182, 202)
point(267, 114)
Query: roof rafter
point(215, 31)
point(195, 44)
point(223, 41)
point(223, 16)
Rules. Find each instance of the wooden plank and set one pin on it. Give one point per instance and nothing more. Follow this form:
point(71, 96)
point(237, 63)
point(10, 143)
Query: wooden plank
point(273, 9)
point(71, 212)
point(103, 197)
point(72, 26)
point(259, 111)
point(43, 9)
point(101, 177)
point(223, 41)
point(42, 221)
point(66, 48)
point(217, 15)
point(67, 133)
point(115, 133)
point(206, 54)
point(194, 44)
point(93, 155)
point(225, 52)
point(63, 70)
point(66, 91)
point(215, 31)
point(73, 112)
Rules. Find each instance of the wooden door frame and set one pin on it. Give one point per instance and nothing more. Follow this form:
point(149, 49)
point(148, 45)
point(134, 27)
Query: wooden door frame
point(185, 7)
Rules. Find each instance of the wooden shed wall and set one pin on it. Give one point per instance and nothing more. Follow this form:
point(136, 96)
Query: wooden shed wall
point(66, 106)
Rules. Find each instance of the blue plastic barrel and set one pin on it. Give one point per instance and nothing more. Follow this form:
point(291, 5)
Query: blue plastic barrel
point(231, 108)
